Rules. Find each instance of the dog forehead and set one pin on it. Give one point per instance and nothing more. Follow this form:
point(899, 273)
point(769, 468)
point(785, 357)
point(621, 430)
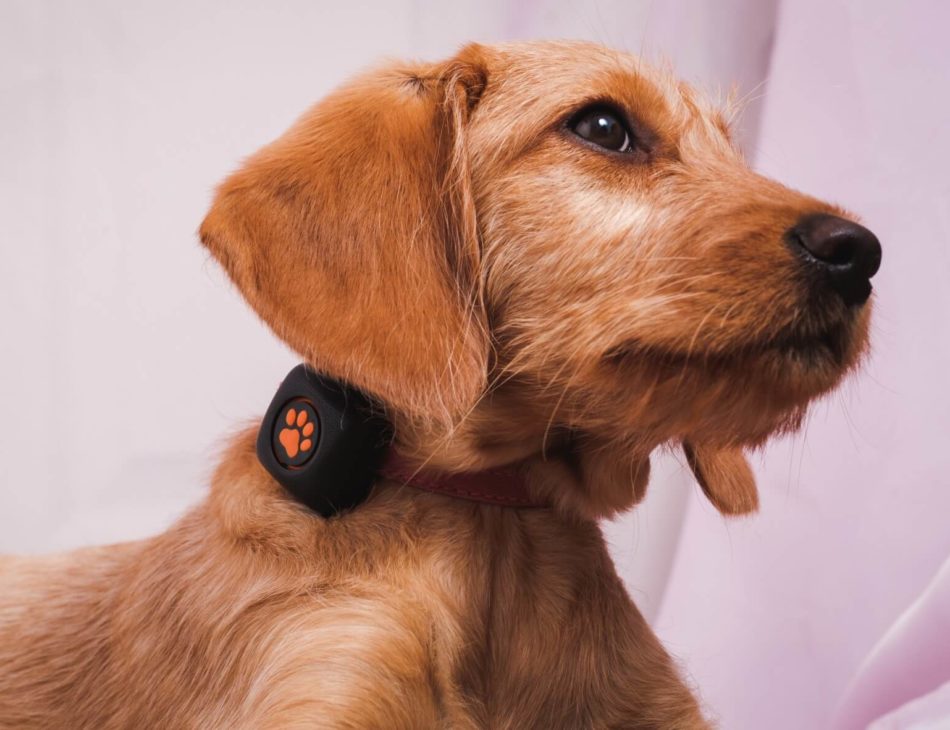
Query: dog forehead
point(532, 85)
point(554, 57)
point(548, 70)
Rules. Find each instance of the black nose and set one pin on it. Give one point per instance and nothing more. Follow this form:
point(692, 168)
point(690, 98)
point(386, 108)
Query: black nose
point(846, 255)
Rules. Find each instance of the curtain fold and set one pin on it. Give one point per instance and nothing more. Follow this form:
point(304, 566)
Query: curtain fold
point(910, 662)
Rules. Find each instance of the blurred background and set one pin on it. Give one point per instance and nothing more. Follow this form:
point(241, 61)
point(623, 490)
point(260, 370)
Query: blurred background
point(128, 358)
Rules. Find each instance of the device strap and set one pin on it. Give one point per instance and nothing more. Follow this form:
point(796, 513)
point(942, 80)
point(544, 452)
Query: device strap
point(327, 443)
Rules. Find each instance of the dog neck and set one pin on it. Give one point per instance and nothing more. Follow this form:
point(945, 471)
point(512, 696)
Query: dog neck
point(576, 472)
point(326, 443)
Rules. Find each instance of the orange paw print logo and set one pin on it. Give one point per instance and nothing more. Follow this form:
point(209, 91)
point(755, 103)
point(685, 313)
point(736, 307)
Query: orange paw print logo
point(295, 441)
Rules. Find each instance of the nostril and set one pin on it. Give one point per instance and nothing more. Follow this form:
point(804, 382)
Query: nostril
point(848, 253)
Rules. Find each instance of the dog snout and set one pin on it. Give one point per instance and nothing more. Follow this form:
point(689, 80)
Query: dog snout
point(845, 255)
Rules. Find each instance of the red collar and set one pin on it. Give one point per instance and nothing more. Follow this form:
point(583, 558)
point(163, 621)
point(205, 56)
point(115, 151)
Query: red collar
point(505, 486)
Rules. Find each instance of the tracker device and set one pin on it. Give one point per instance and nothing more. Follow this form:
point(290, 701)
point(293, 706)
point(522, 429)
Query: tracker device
point(322, 441)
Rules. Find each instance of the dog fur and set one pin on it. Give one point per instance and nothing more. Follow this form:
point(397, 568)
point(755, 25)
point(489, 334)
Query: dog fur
point(435, 235)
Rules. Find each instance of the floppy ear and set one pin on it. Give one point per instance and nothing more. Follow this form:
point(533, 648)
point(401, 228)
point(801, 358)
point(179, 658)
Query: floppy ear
point(725, 477)
point(354, 237)
point(591, 477)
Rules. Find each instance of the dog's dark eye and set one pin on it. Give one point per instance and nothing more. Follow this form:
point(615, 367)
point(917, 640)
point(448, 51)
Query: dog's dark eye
point(604, 128)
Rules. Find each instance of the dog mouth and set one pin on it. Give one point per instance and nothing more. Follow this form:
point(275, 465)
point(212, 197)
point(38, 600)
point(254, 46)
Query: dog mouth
point(828, 346)
point(824, 349)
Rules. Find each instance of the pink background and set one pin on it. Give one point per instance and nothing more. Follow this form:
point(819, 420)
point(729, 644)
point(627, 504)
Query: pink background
point(774, 614)
point(117, 122)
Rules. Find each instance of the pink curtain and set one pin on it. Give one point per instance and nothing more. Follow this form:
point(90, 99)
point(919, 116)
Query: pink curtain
point(775, 615)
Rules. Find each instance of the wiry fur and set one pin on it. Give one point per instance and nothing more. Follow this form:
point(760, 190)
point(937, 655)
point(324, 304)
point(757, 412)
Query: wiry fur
point(434, 235)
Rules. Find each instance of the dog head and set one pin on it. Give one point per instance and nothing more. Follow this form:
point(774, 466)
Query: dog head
point(549, 247)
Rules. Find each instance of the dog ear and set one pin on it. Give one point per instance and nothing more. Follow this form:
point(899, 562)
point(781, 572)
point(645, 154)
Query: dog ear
point(725, 477)
point(587, 476)
point(354, 237)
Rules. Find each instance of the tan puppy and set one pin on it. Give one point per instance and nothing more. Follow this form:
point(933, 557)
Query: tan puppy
point(543, 253)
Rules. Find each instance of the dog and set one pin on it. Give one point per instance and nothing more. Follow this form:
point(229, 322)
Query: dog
point(546, 256)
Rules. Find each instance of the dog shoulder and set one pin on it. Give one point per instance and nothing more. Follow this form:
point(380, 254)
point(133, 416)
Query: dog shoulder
point(343, 661)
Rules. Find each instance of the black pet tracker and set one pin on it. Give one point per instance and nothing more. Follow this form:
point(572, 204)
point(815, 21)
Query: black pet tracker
point(322, 441)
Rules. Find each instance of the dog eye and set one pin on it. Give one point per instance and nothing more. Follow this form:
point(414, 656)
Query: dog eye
point(604, 128)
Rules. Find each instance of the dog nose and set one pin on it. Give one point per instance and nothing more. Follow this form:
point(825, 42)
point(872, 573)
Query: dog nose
point(847, 254)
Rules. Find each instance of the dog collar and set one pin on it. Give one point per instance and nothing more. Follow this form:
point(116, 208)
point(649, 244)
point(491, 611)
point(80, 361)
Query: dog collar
point(505, 486)
point(325, 444)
